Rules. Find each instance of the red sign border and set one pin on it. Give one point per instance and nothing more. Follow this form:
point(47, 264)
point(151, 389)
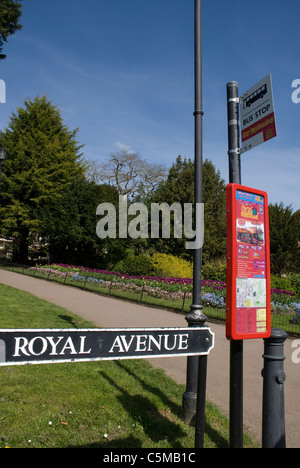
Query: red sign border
point(231, 333)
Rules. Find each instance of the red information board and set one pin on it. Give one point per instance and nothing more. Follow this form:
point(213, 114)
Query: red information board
point(248, 304)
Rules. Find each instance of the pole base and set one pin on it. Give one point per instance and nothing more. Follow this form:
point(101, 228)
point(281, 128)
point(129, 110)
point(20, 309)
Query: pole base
point(189, 406)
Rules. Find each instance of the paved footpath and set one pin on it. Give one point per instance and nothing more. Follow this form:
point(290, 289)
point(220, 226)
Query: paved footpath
point(107, 312)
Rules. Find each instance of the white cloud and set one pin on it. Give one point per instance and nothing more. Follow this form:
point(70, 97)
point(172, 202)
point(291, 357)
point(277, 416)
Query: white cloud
point(123, 147)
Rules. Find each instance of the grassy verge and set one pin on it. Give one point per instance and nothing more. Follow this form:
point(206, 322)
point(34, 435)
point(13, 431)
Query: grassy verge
point(117, 404)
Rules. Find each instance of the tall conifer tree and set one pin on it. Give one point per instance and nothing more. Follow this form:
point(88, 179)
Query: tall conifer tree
point(42, 160)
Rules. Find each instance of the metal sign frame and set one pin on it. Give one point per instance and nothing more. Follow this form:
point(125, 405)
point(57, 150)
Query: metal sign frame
point(248, 303)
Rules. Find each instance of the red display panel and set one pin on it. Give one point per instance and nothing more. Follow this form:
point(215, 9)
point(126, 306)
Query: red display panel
point(248, 303)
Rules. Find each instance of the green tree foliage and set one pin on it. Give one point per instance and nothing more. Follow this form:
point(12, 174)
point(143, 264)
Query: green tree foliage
point(284, 239)
point(179, 188)
point(70, 226)
point(42, 161)
point(10, 12)
point(214, 199)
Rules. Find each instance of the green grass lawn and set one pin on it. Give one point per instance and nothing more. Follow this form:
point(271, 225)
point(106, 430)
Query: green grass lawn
point(116, 404)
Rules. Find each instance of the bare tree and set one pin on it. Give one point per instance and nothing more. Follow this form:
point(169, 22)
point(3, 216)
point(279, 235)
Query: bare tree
point(129, 173)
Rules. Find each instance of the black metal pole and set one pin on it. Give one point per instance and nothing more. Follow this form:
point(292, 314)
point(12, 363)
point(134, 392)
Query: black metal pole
point(236, 394)
point(236, 347)
point(201, 403)
point(233, 114)
point(196, 317)
point(273, 432)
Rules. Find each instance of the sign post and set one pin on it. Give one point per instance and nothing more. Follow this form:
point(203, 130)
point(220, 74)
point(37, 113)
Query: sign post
point(258, 125)
point(237, 346)
point(194, 398)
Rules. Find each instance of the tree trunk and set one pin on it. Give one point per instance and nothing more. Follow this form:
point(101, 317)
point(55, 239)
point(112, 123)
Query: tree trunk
point(20, 248)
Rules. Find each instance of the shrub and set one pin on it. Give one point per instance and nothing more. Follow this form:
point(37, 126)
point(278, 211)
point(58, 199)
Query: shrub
point(136, 266)
point(168, 265)
point(215, 270)
point(278, 282)
point(295, 282)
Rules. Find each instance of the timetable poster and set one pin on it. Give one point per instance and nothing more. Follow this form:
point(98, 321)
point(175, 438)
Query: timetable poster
point(251, 274)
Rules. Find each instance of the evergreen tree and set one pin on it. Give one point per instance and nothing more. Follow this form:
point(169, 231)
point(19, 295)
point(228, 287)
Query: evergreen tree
point(214, 199)
point(284, 239)
point(42, 160)
point(10, 12)
point(70, 227)
point(179, 188)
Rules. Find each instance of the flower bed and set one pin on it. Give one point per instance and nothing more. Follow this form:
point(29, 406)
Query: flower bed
point(167, 288)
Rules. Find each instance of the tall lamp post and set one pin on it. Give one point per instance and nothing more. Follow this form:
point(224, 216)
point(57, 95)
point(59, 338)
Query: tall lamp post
point(196, 317)
point(2, 158)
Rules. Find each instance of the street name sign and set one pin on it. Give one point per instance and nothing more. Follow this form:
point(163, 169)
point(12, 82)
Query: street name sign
point(257, 115)
point(47, 346)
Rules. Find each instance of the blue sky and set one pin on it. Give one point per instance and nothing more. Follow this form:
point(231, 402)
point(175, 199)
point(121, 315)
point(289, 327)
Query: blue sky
point(123, 72)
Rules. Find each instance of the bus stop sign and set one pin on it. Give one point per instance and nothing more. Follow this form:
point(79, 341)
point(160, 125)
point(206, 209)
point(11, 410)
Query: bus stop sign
point(257, 115)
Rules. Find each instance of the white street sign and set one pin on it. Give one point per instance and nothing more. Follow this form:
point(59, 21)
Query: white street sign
point(257, 115)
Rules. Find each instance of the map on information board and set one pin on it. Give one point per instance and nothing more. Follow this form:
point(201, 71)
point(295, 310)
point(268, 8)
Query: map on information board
point(250, 292)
